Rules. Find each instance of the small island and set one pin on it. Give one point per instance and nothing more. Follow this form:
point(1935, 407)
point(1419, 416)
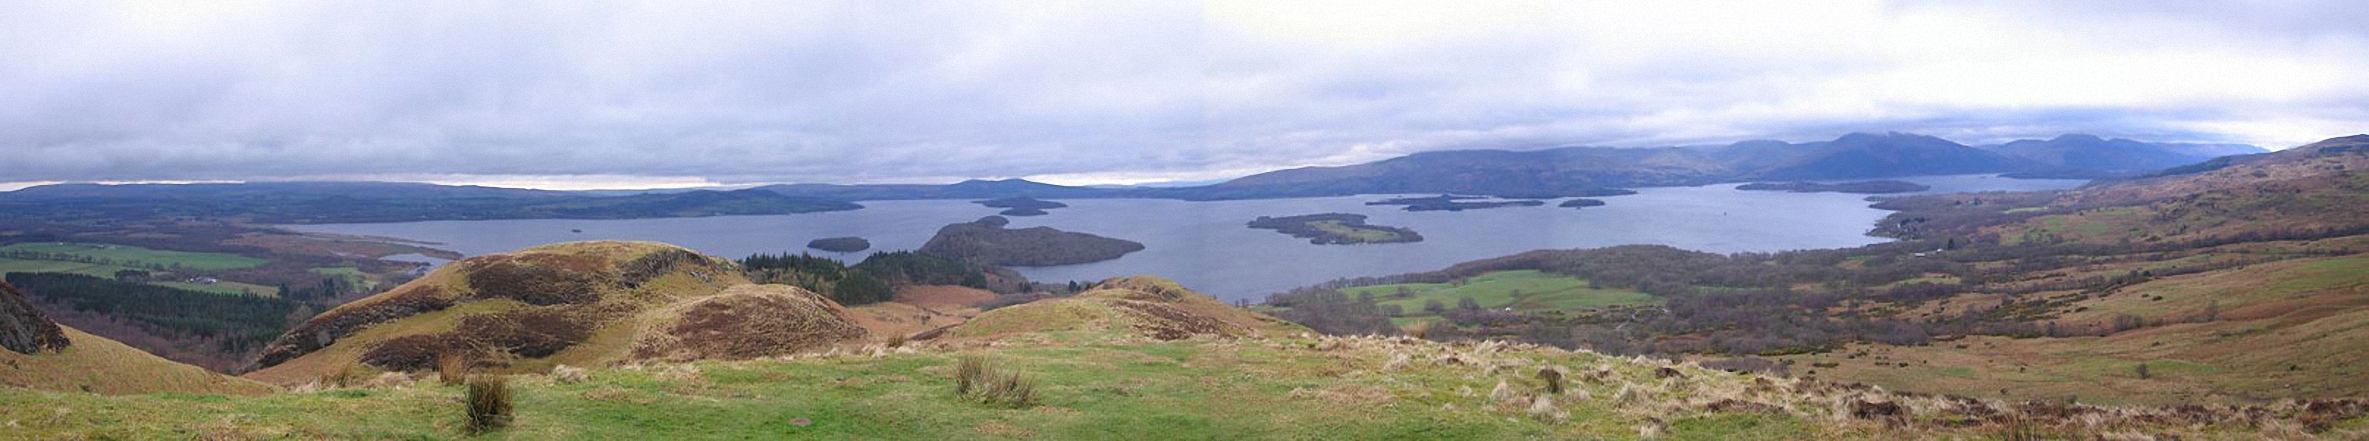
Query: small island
point(1581, 203)
point(987, 241)
point(1335, 229)
point(840, 244)
point(1453, 203)
point(1021, 205)
point(1861, 187)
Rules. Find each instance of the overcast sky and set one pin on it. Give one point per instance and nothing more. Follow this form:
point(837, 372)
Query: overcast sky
point(675, 93)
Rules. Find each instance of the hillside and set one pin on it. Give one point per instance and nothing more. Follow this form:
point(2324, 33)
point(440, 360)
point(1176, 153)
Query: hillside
point(36, 353)
point(2077, 152)
point(2238, 282)
point(1595, 171)
point(1561, 172)
point(1865, 155)
point(582, 303)
point(1099, 372)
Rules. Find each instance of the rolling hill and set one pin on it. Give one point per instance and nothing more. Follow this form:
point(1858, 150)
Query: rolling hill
point(1142, 358)
point(581, 303)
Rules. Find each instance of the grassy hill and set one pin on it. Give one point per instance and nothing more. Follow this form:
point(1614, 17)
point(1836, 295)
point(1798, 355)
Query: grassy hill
point(582, 303)
point(96, 365)
point(1099, 372)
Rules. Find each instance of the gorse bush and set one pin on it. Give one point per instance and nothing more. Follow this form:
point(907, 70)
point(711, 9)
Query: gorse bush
point(489, 403)
point(975, 381)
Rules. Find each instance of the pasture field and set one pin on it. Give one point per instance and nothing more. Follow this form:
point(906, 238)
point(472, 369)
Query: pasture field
point(1520, 290)
point(135, 256)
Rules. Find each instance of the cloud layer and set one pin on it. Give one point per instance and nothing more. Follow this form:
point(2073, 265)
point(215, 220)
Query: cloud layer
point(663, 93)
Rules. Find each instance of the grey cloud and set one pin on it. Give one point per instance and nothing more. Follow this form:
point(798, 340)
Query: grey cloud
point(869, 91)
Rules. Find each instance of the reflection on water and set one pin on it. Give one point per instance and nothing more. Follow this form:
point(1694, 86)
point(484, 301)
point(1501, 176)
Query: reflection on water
point(1206, 246)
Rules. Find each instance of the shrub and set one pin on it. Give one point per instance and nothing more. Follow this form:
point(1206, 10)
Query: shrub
point(975, 381)
point(489, 403)
point(896, 340)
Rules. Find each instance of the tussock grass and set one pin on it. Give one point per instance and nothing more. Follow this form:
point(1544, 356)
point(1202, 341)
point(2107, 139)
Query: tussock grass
point(489, 403)
point(974, 380)
point(452, 369)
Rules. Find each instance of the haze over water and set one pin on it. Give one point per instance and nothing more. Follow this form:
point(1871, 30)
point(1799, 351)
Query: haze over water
point(1206, 246)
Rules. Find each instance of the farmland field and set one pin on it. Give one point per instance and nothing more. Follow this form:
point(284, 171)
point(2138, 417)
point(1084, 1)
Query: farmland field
point(136, 256)
point(1523, 290)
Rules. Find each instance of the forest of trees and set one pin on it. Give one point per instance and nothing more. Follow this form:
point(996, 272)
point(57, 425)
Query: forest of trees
point(823, 275)
point(238, 323)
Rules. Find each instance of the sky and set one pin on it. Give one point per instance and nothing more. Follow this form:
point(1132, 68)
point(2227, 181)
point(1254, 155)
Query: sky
point(596, 94)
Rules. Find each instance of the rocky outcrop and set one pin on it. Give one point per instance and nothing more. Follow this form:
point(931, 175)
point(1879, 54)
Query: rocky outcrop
point(23, 329)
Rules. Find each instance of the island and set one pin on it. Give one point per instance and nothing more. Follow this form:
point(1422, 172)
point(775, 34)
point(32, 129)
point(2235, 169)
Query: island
point(1860, 187)
point(1021, 205)
point(1581, 203)
point(1453, 203)
point(986, 241)
point(1335, 229)
point(840, 244)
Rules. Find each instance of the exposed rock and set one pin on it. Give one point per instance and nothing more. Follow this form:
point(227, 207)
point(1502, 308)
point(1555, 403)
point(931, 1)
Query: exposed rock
point(23, 328)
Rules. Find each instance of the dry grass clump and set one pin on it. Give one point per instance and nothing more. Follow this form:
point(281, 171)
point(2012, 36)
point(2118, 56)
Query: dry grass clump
point(489, 403)
point(452, 369)
point(976, 381)
point(564, 374)
point(341, 375)
point(896, 340)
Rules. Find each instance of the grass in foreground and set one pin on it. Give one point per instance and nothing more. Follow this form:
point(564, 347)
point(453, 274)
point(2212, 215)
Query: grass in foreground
point(1088, 386)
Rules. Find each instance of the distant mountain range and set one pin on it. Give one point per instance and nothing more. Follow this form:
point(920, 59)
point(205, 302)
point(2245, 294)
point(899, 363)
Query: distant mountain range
point(1588, 171)
point(1549, 173)
point(352, 202)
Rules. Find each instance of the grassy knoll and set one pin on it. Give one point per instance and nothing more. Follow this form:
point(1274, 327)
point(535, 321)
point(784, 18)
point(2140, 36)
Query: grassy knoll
point(1522, 290)
point(136, 256)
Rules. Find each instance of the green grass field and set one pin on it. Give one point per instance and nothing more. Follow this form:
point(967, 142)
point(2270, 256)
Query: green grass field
point(1524, 290)
point(1087, 390)
point(57, 266)
point(130, 256)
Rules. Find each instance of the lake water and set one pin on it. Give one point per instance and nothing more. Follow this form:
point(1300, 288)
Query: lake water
point(1206, 246)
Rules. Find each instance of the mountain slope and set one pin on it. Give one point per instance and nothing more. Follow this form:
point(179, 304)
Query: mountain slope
point(581, 303)
point(1573, 171)
point(1104, 382)
point(2116, 156)
point(36, 353)
point(1865, 155)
